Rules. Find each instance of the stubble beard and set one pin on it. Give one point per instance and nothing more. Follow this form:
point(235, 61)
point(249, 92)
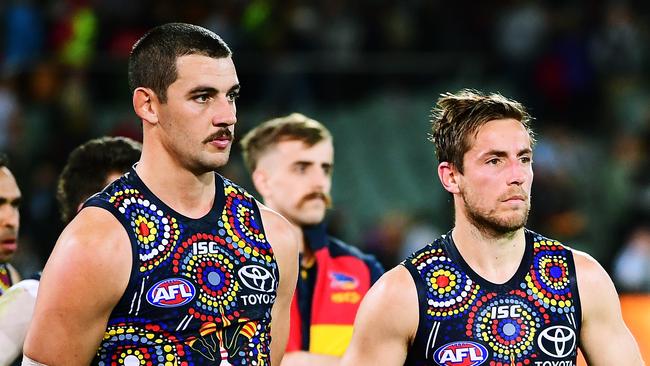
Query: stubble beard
point(490, 223)
point(210, 163)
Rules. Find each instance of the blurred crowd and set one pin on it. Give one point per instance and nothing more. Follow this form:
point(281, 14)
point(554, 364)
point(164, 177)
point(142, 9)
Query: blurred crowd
point(581, 67)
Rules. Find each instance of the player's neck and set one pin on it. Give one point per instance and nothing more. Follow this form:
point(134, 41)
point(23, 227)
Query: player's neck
point(494, 257)
point(187, 193)
point(306, 253)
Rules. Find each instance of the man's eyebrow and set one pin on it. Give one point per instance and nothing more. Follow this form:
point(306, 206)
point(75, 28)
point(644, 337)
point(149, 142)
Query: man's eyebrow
point(501, 153)
point(497, 153)
point(525, 151)
point(203, 89)
point(302, 162)
point(13, 201)
point(212, 90)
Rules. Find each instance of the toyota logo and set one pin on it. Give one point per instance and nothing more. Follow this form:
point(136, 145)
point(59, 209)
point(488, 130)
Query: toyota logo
point(257, 278)
point(557, 341)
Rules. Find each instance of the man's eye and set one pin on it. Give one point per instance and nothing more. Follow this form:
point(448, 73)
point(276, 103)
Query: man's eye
point(232, 96)
point(203, 98)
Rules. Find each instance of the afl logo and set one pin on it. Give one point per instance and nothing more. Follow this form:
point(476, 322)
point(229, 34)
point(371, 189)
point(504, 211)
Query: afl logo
point(171, 292)
point(464, 353)
point(257, 278)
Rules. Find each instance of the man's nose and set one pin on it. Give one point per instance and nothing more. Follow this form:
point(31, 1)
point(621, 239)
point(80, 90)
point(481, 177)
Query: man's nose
point(225, 112)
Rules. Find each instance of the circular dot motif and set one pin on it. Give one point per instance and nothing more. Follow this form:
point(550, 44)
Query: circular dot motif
point(451, 292)
point(507, 324)
point(548, 280)
point(209, 261)
point(140, 345)
point(240, 225)
point(553, 273)
point(156, 232)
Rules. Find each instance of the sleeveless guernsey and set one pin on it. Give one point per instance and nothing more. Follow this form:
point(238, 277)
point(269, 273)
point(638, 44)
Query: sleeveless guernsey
point(533, 319)
point(200, 291)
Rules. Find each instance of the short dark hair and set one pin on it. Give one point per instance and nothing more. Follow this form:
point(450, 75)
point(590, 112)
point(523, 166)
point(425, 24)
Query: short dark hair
point(88, 167)
point(457, 117)
point(152, 63)
point(295, 126)
point(4, 160)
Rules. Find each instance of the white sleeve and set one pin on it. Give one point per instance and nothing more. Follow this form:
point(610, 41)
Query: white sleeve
point(16, 310)
point(29, 362)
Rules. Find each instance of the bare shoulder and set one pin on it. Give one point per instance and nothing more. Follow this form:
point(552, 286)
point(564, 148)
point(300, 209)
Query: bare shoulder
point(94, 244)
point(591, 276)
point(386, 323)
point(93, 229)
point(83, 280)
point(280, 233)
point(596, 289)
point(396, 289)
point(604, 337)
point(395, 293)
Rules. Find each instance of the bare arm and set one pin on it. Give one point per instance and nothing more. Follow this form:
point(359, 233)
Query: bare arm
point(284, 242)
point(604, 337)
point(83, 280)
point(301, 358)
point(386, 323)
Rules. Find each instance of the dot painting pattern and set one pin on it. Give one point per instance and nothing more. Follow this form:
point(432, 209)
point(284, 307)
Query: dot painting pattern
point(187, 280)
point(157, 233)
point(548, 279)
point(512, 333)
point(141, 342)
point(460, 310)
point(451, 291)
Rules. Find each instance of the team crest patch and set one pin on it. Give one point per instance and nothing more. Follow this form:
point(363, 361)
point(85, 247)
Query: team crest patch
point(171, 292)
point(342, 281)
point(464, 353)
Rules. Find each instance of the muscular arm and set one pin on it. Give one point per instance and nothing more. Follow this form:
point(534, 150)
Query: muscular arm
point(605, 340)
point(83, 280)
point(284, 242)
point(386, 322)
point(301, 358)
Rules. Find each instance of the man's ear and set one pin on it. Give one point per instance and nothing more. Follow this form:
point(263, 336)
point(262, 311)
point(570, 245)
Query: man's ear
point(449, 177)
point(144, 100)
point(261, 181)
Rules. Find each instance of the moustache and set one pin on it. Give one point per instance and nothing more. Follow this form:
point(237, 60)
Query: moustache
point(224, 132)
point(517, 192)
point(8, 233)
point(318, 195)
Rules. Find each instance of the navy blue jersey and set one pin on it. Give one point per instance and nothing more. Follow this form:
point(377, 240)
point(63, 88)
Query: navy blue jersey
point(533, 319)
point(200, 291)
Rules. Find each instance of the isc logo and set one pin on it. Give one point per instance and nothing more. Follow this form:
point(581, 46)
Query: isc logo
point(205, 247)
point(171, 292)
point(464, 353)
point(506, 311)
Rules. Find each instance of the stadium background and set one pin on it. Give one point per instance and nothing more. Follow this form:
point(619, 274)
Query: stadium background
point(370, 71)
